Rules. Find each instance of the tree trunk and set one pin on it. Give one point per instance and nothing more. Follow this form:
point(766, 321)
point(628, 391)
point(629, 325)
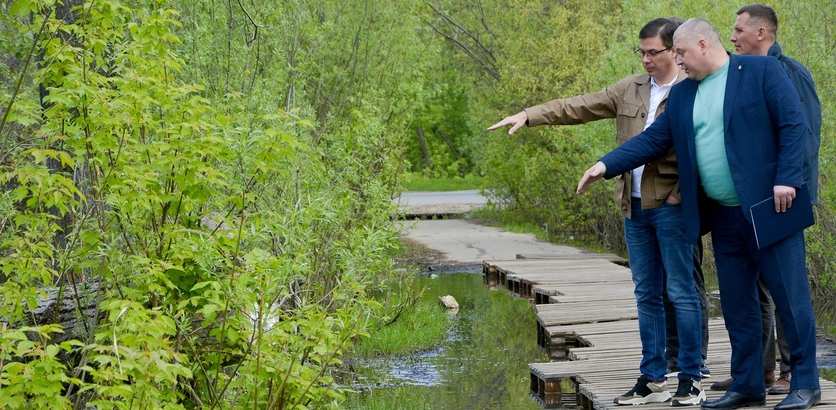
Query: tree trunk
point(75, 309)
point(449, 141)
point(425, 149)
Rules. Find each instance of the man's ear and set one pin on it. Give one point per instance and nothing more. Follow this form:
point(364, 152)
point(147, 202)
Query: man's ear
point(761, 33)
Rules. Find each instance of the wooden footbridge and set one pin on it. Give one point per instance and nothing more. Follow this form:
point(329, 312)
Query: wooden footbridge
point(587, 322)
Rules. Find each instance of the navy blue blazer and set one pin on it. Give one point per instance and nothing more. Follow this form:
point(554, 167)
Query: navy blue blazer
point(764, 137)
point(811, 107)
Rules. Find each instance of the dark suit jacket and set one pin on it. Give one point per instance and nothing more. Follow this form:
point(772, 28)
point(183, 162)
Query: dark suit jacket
point(811, 107)
point(764, 132)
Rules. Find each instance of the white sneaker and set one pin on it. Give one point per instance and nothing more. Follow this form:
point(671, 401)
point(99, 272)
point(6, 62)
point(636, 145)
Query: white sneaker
point(645, 391)
point(689, 393)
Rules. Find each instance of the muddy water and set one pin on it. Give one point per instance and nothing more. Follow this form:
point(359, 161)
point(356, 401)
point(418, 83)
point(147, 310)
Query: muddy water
point(482, 364)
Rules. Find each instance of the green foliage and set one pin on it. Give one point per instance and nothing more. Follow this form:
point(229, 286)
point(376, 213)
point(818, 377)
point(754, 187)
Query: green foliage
point(132, 360)
point(31, 374)
point(225, 174)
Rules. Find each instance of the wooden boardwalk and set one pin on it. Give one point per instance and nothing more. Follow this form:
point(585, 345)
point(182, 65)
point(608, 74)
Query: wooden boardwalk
point(587, 322)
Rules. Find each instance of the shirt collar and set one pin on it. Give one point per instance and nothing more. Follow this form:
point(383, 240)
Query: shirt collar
point(653, 82)
point(723, 69)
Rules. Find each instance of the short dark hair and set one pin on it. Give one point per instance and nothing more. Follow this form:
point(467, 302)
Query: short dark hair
point(762, 12)
point(664, 27)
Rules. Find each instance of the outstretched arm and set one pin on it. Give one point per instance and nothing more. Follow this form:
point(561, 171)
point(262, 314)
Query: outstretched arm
point(568, 111)
point(652, 143)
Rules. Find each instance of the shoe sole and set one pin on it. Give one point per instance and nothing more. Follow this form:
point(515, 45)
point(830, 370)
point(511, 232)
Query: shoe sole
point(660, 397)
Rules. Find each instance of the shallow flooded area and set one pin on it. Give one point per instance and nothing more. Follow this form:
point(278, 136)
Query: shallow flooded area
point(482, 363)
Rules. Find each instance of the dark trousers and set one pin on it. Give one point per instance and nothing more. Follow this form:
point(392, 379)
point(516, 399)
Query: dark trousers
point(782, 269)
point(771, 326)
point(672, 342)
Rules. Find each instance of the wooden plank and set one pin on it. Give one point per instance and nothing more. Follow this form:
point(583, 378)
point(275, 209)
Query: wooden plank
point(580, 256)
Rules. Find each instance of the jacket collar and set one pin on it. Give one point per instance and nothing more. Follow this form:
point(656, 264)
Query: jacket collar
point(642, 79)
point(735, 68)
point(775, 50)
point(644, 87)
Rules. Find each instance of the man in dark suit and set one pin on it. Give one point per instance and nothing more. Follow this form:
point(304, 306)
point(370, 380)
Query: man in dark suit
point(738, 131)
point(755, 33)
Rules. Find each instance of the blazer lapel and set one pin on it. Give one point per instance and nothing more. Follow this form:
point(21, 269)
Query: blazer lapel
point(689, 95)
point(732, 81)
point(679, 77)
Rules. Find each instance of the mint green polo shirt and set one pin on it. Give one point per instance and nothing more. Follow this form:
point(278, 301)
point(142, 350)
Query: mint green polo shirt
point(709, 134)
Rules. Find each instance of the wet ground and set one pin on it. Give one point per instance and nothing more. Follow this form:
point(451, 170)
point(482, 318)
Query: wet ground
point(483, 363)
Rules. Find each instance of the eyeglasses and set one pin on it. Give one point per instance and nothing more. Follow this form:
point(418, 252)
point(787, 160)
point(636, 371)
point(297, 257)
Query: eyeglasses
point(652, 53)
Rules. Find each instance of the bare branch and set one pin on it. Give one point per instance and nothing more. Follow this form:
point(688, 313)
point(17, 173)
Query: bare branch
point(465, 31)
point(489, 68)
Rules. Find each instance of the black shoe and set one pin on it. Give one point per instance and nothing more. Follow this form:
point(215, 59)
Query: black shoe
point(688, 393)
point(733, 400)
point(800, 399)
point(645, 391)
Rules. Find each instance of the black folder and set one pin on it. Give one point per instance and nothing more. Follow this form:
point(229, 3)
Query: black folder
point(771, 227)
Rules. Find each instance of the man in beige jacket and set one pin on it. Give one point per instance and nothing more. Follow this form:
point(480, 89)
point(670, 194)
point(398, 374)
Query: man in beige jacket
point(662, 259)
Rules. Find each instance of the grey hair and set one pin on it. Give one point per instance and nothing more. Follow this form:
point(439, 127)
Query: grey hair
point(699, 27)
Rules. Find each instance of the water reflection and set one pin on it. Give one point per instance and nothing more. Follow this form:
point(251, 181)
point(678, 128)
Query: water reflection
point(483, 364)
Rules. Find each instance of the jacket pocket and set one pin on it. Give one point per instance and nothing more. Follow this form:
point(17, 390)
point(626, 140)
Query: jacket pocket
point(667, 165)
point(628, 110)
point(626, 122)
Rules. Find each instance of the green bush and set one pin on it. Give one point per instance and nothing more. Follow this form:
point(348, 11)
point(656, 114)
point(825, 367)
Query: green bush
point(225, 173)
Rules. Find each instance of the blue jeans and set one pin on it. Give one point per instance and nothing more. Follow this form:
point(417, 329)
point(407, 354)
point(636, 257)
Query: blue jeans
point(657, 246)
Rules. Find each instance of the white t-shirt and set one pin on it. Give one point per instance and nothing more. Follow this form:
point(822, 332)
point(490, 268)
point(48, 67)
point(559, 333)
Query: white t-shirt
point(657, 94)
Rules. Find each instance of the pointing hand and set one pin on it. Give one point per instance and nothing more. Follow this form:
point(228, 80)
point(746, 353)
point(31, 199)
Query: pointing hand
point(516, 121)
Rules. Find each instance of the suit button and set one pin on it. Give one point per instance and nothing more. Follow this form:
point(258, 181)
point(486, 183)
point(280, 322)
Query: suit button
point(642, 115)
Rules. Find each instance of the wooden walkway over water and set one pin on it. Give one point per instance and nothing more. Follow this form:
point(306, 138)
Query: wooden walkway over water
point(587, 322)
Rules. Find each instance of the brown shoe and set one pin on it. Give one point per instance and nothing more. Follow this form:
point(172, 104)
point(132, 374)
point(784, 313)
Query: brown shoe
point(769, 378)
point(722, 385)
point(781, 386)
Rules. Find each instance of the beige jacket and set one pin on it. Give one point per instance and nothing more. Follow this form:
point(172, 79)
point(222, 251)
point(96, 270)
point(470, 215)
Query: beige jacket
point(628, 102)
